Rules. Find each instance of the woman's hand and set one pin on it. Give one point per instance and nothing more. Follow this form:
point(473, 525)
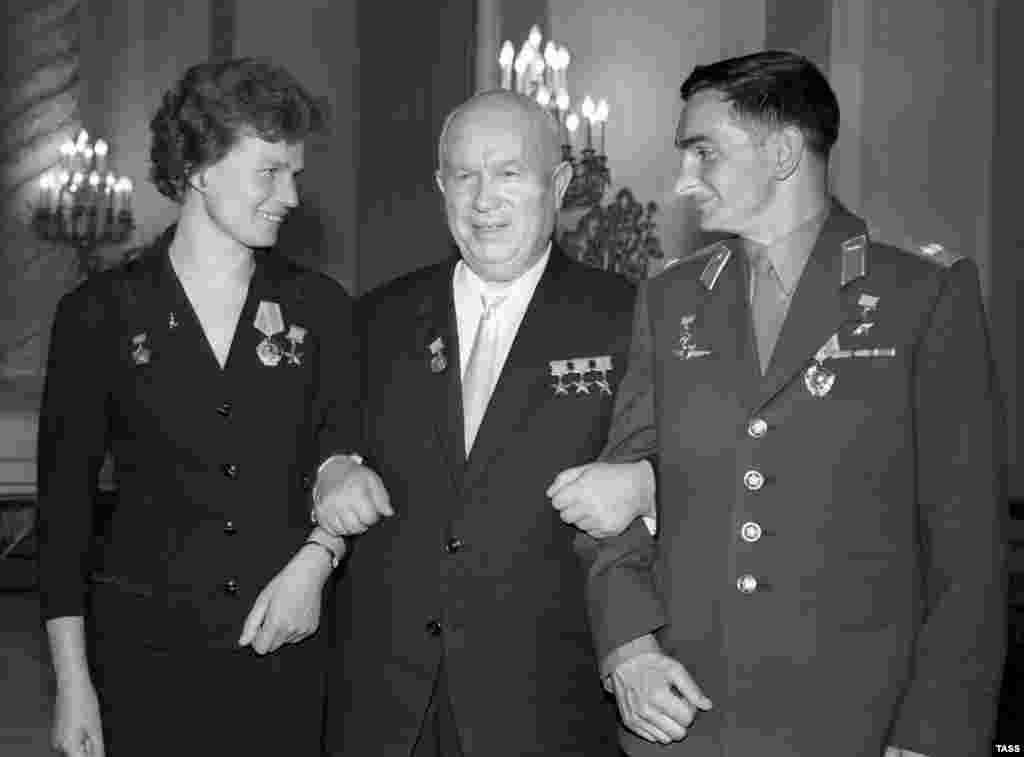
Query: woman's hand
point(77, 730)
point(288, 608)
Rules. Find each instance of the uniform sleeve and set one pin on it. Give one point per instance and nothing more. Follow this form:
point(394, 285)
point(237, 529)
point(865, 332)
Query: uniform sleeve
point(632, 436)
point(339, 381)
point(949, 707)
point(622, 601)
point(71, 446)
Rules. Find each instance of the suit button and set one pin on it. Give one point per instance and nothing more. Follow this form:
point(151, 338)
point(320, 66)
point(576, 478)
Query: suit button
point(230, 470)
point(757, 428)
point(229, 528)
point(231, 587)
point(753, 480)
point(746, 584)
point(453, 545)
point(433, 628)
point(751, 532)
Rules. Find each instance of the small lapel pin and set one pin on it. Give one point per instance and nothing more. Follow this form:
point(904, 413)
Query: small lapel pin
point(438, 361)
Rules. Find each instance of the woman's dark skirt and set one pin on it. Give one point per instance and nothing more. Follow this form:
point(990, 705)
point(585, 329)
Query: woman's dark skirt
point(208, 701)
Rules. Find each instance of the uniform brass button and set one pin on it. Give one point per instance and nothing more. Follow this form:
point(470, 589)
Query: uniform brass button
point(434, 628)
point(753, 480)
point(751, 532)
point(230, 470)
point(231, 587)
point(229, 528)
point(757, 428)
point(746, 584)
point(453, 545)
point(224, 409)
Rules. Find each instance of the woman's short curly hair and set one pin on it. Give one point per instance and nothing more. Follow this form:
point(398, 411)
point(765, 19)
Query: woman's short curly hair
point(204, 114)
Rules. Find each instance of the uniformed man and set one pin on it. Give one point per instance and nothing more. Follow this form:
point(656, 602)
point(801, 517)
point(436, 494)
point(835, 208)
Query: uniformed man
point(820, 412)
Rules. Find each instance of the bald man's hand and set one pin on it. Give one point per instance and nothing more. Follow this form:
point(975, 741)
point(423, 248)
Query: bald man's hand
point(602, 499)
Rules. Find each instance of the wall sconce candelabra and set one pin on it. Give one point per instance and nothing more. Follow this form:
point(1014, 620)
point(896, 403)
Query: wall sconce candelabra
point(83, 203)
point(544, 76)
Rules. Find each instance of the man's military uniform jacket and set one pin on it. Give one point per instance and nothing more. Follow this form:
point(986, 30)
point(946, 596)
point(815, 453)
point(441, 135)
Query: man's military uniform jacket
point(828, 562)
point(212, 464)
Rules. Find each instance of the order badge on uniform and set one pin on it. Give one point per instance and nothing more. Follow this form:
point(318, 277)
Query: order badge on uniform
point(818, 379)
point(269, 322)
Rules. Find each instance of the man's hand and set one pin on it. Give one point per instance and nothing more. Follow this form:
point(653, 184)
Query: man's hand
point(657, 698)
point(288, 608)
point(349, 498)
point(895, 751)
point(604, 498)
point(76, 721)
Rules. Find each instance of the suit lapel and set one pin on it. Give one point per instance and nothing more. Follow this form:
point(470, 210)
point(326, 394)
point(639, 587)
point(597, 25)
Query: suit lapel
point(437, 347)
point(524, 382)
point(818, 308)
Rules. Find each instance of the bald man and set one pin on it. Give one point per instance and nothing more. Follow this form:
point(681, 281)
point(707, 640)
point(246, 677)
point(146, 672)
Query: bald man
point(461, 621)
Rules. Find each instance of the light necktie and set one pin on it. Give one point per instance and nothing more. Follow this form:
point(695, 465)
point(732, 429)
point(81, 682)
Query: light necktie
point(481, 369)
point(767, 306)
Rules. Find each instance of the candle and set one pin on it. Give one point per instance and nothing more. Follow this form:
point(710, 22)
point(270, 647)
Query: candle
point(601, 116)
point(572, 122)
point(67, 152)
point(520, 66)
point(505, 59)
point(45, 188)
point(562, 104)
point(543, 96)
point(588, 115)
point(563, 68)
point(127, 205)
point(101, 155)
point(535, 37)
point(551, 60)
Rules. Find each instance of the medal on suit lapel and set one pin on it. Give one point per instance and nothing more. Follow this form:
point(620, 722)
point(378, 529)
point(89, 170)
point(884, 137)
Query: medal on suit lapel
point(269, 322)
point(602, 365)
point(559, 369)
point(172, 321)
point(577, 367)
point(438, 361)
point(141, 354)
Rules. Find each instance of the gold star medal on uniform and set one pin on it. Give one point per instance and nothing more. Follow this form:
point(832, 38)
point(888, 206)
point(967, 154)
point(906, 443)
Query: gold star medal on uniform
point(602, 365)
point(295, 336)
point(438, 360)
point(559, 369)
point(140, 352)
point(867, 304)
point(269, 322)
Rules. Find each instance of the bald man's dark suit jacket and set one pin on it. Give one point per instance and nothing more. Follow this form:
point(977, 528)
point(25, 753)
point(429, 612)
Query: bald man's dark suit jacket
point(829, 568)
point(475, 565)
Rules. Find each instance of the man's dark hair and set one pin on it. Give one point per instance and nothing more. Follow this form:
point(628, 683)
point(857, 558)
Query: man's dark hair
point(204, 114)
point(774, 88)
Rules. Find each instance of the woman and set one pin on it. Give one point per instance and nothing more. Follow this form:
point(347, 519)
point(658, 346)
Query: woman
point(219, 375)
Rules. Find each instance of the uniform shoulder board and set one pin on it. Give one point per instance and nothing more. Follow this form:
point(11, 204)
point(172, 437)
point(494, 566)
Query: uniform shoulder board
point(937, 254)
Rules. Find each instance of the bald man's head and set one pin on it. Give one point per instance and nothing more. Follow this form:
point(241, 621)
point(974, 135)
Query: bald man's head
point(521, 112)
point(502, 177)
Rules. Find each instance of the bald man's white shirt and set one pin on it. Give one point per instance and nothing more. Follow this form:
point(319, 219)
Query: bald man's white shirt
point(468, 289)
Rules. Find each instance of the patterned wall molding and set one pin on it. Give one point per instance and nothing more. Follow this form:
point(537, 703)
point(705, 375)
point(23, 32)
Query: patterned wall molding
point(39, 109)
